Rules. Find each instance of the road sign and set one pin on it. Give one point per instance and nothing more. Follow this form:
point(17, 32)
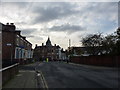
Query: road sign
point(9, 44)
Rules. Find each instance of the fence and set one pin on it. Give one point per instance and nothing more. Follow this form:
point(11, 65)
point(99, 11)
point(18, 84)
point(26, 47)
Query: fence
point(9, 72)
point(113, 61)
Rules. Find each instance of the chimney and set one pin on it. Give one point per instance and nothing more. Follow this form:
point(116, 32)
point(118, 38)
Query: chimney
point(42, 44)
point(18, 32)
point(7, 23)
point(10, 27)
point(12, 24)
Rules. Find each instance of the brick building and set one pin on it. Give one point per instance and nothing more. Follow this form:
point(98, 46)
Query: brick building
point(47, 51)
point(77, 51)
point(15, 47)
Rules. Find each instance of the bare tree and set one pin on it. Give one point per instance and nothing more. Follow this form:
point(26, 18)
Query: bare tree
point(93, 43)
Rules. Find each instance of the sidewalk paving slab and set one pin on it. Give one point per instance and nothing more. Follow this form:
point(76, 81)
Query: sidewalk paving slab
point(24, 79)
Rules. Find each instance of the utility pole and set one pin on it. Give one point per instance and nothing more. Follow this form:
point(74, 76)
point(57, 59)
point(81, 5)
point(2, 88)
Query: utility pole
point(69, 43)
point(69, 50)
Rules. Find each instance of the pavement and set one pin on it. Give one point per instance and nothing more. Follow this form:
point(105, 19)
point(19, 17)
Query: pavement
point(64, 75)
point(26, 78)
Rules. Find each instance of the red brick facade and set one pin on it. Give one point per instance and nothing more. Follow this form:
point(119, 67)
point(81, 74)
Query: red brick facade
point(14, 46)
point(47, 51)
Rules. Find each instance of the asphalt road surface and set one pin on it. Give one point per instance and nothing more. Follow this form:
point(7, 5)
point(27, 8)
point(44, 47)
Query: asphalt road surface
point(63, 75)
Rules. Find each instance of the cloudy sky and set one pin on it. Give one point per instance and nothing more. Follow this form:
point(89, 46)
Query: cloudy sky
point(60, 21)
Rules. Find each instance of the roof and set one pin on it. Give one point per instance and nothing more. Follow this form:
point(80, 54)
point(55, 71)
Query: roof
point(48, 42)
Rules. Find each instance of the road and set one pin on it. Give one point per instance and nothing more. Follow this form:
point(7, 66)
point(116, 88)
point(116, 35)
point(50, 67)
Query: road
point(63, 75)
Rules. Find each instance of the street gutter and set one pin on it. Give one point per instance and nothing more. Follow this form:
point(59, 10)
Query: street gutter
point(41, 82)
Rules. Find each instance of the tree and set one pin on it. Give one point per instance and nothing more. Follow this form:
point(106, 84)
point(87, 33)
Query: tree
point(93, 43)
point(118, 41)
point(99, 44)
point(118, 33)
point(109, 44)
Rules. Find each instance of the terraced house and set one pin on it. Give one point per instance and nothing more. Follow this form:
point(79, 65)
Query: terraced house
point(15, 47)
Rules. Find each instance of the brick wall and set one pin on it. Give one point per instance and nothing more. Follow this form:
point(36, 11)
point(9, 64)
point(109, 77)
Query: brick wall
point(97, 60)
point(9, 72)
point(7, 37)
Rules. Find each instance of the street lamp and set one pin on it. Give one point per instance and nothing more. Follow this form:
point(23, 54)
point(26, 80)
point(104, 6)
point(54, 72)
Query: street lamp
point(9, 44)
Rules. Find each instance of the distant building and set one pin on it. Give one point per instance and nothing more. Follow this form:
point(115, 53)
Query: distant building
point(47, 51)
point(63, 55)
point(15, 47)
point(77, 51)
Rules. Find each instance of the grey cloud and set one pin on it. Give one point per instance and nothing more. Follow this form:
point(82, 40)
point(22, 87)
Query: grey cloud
point(53, 11)
point(20, 22)
point(30, 36)
point(47, 12)
point(20, 5)
point(38, 38)
point(67, 28)
point(103, 9)
point(28, 31)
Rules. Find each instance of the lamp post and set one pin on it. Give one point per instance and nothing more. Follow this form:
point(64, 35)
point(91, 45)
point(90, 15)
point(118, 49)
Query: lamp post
point(9, 44)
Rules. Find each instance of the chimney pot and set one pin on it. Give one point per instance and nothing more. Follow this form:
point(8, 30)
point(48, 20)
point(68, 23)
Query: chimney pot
point(36, 45)
point(11, 23)
point(7, 23)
